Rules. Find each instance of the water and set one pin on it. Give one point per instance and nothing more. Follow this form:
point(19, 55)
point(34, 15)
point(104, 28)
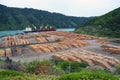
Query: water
point(66, 29)
point(13, 32)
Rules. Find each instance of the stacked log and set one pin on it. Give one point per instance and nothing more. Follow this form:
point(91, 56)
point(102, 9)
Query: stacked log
point(15, 42)
point(2, 53)
point(51, 38)
point(8, 52)
point(28, 36)
point(18, 50)
point(74, 35)
point(35, 48)
point(91, 58)
point(111, 48)
point(5, 52)
point(62, 45)
point(41, 39)
point(102, 40)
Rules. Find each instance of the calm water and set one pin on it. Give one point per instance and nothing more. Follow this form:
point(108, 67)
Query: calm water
point(66, 29)
point(4, 33)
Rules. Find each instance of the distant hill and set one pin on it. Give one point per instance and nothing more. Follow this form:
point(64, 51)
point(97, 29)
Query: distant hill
point(105, 25)
point(19, 18)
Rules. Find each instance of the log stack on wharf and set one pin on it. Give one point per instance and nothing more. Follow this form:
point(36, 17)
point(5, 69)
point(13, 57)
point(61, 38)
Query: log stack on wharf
point(8, 52)
point(5, 52)
point(111, 48)
point(12, 41)
point(91, 58)
point(2, 53)
point(102, 40)
point(73, 35)
point(41, 40)
point(61, 45)
point(77, 36)
point(33, 35)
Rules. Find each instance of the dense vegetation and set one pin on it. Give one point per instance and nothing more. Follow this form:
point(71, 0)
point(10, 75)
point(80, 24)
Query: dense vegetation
point(88, 76)
point(15, 75)
point(55, 70)
point(18, 18)
point(105, 25)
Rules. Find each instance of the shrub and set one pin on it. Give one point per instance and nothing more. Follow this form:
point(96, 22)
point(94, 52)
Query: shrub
point(9, 73)
point(31, 66)
point(72, 66)
point(94, 69)
point(14, 75)
point(45, 67)
point(39, 67)
point(88, 76)
point(117, 69)
point(57, 70)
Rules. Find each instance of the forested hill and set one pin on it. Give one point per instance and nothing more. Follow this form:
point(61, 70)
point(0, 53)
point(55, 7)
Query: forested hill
point(105, 25)
point(19, 18)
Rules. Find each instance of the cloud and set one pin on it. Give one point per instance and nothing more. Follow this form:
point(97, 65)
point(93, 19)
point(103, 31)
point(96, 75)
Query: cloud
point(68, 7)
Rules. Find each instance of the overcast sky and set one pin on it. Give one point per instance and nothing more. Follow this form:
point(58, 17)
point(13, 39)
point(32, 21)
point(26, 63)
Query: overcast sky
point(68, 7)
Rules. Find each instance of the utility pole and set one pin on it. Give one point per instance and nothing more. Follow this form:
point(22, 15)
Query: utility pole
point(69, 67)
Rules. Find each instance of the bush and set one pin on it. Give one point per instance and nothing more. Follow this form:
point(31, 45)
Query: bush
point(11, 65)
point(14, 75)
point(58, 71)
point(117, 69)
point(31, 66)
point(88, 76)
point(94, 69)
point(45, 67)
point(9, 73)
point(72, 66)
point(39, 67)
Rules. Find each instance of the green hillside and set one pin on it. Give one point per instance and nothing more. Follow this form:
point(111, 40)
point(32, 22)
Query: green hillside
point(19, 18)
point(105, 25)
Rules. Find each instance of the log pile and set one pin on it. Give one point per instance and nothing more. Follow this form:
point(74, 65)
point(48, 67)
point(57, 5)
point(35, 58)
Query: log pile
point(33, 35)
point(47, 39)
point(18, 50)
point(2, 53)
point(111, 48)
point(102, 40)
point(28, 36)
point(8, 52)
point(91, 58)
point(11, 41)
point(41, 39)
point(62, 45)
point(5, 52)
point(73, 35)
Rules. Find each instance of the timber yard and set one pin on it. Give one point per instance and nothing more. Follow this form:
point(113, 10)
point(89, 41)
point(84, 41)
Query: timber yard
point(60, 45)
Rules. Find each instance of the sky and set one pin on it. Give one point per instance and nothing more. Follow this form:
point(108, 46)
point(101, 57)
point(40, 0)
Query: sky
point(80, 8)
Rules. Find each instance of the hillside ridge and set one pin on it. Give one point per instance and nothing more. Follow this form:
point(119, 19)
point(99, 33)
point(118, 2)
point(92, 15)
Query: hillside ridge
point(18, 18)
point(105, 25)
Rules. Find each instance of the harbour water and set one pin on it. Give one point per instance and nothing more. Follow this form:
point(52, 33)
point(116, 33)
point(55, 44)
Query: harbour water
point(13, 32)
